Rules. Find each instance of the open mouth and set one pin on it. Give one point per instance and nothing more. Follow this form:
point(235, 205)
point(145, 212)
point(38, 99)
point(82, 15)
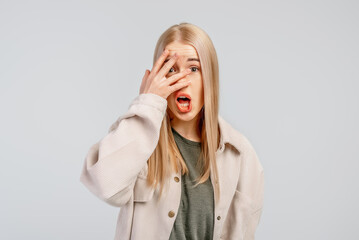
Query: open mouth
point(183, 102)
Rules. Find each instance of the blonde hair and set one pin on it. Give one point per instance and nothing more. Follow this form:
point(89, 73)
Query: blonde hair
point(166, 157)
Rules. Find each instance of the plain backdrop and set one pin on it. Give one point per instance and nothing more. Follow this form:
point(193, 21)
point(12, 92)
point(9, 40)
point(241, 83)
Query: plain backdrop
point(288, 81)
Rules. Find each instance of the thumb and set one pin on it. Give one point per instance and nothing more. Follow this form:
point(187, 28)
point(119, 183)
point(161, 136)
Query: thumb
point(143, 83)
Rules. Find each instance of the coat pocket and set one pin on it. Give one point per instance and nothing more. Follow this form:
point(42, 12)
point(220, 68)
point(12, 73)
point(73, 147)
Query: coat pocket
point(142, 192)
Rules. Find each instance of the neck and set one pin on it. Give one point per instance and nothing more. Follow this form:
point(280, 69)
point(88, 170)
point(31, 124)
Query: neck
point(187, 129)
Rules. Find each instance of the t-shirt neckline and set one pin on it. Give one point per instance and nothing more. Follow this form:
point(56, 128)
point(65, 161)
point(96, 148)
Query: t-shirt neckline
point(185, 140)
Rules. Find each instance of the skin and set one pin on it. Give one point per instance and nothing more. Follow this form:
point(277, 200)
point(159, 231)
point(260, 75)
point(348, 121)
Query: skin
point(174, 72)
point(186, 124)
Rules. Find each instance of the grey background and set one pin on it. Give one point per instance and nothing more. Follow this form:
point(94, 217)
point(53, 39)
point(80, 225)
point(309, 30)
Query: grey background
point(288, 81)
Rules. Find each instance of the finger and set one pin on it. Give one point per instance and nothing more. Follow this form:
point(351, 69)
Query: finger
point(159, 62)
point(178, 76)
point(164, 70)
point(143, 83)
point(145, 76)
point(178, 85)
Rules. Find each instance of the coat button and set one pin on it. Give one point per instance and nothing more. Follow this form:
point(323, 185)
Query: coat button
point(219, 217)
point(171, 214)
point(176, 179)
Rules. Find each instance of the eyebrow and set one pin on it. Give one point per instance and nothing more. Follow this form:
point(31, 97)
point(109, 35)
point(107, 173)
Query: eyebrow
point(188, 60)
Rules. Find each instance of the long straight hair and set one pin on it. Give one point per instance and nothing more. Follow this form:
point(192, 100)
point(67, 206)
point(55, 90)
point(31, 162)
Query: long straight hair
point(166, 157)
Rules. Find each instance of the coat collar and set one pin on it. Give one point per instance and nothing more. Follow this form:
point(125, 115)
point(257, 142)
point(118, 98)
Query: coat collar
point(228, 135)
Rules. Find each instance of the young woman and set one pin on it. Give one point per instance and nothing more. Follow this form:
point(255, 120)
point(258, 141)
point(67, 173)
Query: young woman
point(176, 168)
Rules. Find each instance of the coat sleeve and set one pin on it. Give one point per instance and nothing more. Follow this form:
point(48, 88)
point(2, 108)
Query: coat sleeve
point(111, 165)
point(252, 185)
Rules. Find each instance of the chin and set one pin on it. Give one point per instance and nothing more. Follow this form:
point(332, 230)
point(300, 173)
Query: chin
point(183, 116)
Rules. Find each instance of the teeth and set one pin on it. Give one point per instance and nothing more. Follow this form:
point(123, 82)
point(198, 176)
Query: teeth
point(184, 104)
point(183, 97)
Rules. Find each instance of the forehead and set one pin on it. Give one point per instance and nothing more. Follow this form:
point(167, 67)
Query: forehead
point(181, 49)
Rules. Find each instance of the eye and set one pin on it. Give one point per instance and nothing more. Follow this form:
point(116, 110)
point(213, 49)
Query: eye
point(194, 69)
point(171, 70)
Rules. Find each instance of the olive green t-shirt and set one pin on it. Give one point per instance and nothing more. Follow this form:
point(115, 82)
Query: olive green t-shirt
point(195, 217)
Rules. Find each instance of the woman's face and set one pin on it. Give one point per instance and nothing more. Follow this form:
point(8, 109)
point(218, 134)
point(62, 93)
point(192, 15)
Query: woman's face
point(187, 59)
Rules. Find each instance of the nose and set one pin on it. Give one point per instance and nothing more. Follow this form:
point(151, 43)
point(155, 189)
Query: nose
point(185, 79)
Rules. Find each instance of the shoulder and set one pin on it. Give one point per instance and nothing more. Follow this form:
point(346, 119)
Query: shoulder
point(240, 142)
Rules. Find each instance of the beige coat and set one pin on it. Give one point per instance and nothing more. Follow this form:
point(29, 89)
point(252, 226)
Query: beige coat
point(115, 170)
